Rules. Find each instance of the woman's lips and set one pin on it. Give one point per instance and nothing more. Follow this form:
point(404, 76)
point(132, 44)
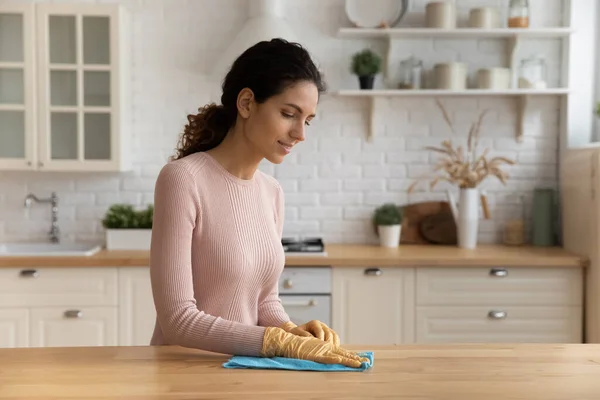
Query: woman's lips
point(285, 146)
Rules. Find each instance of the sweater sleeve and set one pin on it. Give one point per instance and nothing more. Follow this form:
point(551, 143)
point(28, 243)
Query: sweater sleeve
point(176, 212)
point(270, 310)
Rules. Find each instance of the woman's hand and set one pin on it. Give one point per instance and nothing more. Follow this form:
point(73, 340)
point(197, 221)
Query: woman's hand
point(279, 343)
point(315, 329)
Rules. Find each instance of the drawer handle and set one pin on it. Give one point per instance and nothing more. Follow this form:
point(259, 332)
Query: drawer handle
point(373, 271)
point(30, 273)
point(287, 283)
point(73, 314)
point(497, 314)
point(499, 272)
point(310, 303)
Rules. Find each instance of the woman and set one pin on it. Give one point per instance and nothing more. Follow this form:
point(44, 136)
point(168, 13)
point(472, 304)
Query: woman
point(216, 254)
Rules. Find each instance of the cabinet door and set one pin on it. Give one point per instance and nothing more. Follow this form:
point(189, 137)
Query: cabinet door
point(72, 326)
point(17, 110)
point(137, 314)
point(14, 327)
point(79, 82)
point(373, 306)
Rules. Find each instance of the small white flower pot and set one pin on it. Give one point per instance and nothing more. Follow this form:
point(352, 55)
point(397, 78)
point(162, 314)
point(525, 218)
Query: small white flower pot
point(128, 239)
point(389, 235)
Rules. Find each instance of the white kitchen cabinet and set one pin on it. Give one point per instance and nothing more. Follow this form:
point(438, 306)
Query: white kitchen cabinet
point(67, 327)
point(452, 304)
point(64, 99)
point(373, 306)
point(17, 90)
point(46, 307)
point(529, 305)
point(14, 327)
point(137, 314)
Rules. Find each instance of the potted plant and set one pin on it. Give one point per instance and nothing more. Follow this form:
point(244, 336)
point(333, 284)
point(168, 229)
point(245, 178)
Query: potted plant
point(388, 219)
point(128, 228)
point(366, 64)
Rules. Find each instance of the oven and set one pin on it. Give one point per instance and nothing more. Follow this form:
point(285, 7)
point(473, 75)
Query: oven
point(305, 293)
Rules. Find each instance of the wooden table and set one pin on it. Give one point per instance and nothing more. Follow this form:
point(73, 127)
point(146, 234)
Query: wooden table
point(454, 372)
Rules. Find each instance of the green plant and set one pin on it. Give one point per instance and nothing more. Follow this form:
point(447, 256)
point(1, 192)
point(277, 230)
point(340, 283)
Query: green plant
point(365, 63)
point(387, 214)
point(598, 109)
point(124, 216)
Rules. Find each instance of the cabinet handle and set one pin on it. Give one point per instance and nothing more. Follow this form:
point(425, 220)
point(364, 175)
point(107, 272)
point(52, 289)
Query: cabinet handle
point(287, 283)
point(73, 314)
point(40, 164)
point(497, 314)
point(499, 272)
point(310, 303)
point(373, 271)
point(29, 273)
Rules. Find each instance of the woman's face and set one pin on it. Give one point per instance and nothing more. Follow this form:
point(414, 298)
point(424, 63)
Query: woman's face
point(277, 125)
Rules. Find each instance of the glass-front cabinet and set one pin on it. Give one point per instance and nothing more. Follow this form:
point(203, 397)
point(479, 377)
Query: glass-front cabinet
point(68, 109)
point(17, 97)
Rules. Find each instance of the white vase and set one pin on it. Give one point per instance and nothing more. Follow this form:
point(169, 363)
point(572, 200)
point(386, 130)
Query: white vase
point(389, 235)
point(468, 218)
point(128, 239)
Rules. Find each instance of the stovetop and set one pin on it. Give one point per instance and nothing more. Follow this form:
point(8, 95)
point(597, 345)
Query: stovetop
point(303, 246)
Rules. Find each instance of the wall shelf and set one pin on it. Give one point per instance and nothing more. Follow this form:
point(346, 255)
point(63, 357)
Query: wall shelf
point(513, 36)
point(442, 92)
point(458, 33)
point(522, 96)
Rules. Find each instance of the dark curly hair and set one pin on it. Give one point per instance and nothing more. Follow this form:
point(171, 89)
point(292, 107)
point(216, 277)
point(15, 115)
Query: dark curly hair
point(266, 68)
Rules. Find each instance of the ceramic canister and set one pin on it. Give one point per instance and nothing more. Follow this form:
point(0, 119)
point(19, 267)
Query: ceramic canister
point(451, 76)
point(440, 14)
point(493, 78)
point(484, 17)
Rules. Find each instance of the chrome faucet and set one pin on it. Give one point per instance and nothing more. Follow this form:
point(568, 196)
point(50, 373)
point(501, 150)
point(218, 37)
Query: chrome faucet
point(53, 200)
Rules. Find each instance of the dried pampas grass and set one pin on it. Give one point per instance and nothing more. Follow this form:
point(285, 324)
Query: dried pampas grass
point(465, 170)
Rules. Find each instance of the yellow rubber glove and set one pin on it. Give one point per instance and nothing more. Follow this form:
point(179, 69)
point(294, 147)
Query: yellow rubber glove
point(279, 343)
point(313, 328)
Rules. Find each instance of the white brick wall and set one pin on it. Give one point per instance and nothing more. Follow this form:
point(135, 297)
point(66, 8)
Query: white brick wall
point(336, 178)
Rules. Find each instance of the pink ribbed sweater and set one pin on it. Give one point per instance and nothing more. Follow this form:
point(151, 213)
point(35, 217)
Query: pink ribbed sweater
point(216, 257)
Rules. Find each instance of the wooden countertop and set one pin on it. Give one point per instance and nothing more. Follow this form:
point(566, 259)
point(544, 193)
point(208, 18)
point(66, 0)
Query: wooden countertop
point(485, 371)
point(352, 255)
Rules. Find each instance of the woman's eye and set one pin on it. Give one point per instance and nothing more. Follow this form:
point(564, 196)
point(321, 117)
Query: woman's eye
point(287, 115)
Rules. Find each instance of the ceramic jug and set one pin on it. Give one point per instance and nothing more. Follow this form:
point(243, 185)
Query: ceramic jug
point(466, 215)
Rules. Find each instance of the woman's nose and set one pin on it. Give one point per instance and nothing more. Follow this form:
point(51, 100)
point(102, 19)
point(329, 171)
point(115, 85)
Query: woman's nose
point(298, 133)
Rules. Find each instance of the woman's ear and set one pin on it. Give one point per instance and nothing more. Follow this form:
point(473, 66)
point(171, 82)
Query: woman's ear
point(245, 102)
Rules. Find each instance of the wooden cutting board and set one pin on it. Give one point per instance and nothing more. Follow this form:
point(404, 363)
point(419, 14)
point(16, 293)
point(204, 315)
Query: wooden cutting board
point(429, 222)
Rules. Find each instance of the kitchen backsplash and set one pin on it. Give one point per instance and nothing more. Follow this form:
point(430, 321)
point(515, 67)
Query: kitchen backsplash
point(333, 180)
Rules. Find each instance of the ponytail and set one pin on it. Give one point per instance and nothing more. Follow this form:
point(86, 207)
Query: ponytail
point(205, 130)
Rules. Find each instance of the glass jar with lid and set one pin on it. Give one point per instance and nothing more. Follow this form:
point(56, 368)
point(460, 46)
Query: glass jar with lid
point(532, 73)
point(411, 73)
point(518, 14)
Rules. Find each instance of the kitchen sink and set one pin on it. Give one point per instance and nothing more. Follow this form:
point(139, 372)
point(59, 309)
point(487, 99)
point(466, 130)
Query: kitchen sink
point(48, 249)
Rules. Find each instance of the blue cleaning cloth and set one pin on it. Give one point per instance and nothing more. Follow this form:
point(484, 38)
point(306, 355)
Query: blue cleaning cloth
point(294, 364)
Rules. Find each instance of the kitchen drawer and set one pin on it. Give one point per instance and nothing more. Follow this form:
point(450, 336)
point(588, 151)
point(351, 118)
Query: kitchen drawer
point(302, 280)
point(302, 309)
point(73, 326)
point(489, 286)
point(22, 287)
point(505, 324)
